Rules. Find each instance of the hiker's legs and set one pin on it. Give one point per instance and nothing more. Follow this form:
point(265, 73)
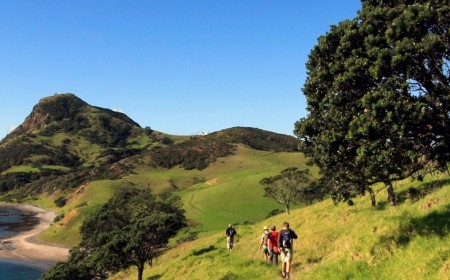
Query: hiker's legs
point(283, 268)
point(288, 264)
point(275, 259)
point(288, 268)
point(283, 262)
point(271, 254)
point(286, 257)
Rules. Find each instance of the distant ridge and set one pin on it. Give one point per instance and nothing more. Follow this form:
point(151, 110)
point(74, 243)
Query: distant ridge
point(64, 141)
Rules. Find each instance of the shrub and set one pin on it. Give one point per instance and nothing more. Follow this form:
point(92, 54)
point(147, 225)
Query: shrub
point(60, 201)
point(58, 218)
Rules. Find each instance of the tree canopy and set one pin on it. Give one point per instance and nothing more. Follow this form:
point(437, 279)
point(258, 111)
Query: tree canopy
point(130, 230)
point(290, 186)
point(378, 96)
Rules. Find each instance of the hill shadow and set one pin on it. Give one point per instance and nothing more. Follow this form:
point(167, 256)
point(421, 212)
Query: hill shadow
point(204, 250)
point(436, 223)
point(423, 190)
point(155, 277)
point(230, 276)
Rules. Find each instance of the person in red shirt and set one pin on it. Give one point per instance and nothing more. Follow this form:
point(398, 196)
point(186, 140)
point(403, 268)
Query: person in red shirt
point(273, 246)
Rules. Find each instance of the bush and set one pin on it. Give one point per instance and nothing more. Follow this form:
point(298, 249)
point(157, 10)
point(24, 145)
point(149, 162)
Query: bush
point(58, 218)
point(60, 201)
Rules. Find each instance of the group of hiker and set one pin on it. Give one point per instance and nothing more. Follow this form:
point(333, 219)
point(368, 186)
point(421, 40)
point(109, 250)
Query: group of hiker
point(272, 244)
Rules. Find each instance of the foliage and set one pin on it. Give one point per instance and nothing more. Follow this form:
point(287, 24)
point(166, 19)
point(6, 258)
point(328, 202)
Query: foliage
point(290, 186)
point(335, 242)
point(377, 92)
point(256, 139)
point(60, 201)
point(18, 153)
point(195, 153)
point(130, 230)
point(198, 152)
point(115, 155)
point(58, 218)
point(148, 131)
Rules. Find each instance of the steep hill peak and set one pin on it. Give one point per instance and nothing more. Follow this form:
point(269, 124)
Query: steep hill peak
point(68, 113)
point(52, 108)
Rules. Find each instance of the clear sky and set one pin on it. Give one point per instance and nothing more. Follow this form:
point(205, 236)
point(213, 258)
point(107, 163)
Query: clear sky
point(178, 66)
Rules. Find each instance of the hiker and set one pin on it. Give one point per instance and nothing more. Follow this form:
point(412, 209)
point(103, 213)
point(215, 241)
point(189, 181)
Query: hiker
point(264, 242)
point(273, 246)
point(230, 233)
point(286, 244)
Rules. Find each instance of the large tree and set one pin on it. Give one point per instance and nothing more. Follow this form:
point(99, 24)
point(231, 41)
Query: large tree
point(378, 96)
point(130, 230)
point(290, 186)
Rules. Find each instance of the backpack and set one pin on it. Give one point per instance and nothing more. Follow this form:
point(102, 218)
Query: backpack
point(266, 240)
point(231, 232)
point(286, 238)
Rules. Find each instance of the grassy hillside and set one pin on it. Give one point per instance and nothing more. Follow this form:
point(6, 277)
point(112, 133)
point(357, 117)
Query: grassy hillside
point(227, 191)
point(410, 241)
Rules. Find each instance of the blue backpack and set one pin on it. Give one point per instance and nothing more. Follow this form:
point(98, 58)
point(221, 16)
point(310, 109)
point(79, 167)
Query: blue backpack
point(286, 238)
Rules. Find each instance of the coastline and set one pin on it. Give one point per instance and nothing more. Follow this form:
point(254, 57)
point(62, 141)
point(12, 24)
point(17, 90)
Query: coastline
point(22, 247)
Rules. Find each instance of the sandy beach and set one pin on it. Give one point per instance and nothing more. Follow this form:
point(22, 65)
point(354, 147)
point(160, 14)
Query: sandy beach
point(22, 248)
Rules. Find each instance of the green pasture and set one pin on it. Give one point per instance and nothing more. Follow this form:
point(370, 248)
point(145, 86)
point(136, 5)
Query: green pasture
point(21, 168)
point(79, 205)
point(409, 241)
point(228, 191)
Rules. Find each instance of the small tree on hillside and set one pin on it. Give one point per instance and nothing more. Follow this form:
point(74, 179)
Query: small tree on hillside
point(290, 186)
point(130, 230)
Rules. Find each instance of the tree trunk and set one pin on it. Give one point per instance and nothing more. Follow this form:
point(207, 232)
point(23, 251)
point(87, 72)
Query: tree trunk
point(391, 194)
point(140, 268)
point(287, 208)
point(372, 197)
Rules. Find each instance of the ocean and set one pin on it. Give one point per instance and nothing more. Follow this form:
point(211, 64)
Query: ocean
point(10, 270)
point(17, 271)
point(7, 217)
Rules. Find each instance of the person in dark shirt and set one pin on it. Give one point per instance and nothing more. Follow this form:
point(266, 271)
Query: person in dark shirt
point(286, 244)
point(230, 233)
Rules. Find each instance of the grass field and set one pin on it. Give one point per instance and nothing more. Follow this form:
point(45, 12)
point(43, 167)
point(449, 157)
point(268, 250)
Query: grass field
point(228, 191)
point(409, 241)
point(79, 205)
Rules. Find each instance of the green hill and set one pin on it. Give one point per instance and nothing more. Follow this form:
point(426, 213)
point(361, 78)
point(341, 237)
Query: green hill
point(66, 142)
point(72, 157)
point(410, 241)
point(226, 191)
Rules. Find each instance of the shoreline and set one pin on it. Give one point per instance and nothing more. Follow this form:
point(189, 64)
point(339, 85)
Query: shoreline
point(22, 247)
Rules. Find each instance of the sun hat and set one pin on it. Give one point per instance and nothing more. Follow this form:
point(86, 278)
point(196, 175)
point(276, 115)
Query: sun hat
point(265, 228)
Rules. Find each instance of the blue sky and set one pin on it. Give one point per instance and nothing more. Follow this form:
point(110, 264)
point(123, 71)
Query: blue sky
point(181, 67)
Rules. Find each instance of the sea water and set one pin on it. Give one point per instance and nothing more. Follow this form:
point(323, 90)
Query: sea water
point(10, 270)
point(16, 271)
point(7, 216)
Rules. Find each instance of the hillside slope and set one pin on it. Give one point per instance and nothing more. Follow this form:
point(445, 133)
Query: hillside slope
point(65, 142)
point(226, 191)
point(71, 157)
point(410, 241)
